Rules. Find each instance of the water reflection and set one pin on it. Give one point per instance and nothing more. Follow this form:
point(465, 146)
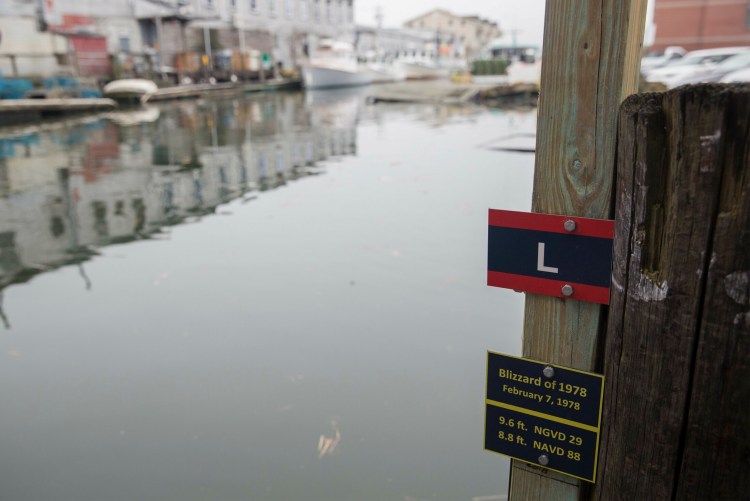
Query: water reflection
point(321, 337)
point(125, 177)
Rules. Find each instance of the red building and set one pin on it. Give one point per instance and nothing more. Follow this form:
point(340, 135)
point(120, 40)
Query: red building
point(701, 24)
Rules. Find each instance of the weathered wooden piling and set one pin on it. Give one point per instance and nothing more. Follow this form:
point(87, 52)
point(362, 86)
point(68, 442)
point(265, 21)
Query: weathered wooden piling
point(676, 423)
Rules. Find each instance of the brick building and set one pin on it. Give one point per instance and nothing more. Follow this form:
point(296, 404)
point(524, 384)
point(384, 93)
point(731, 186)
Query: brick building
point(701, 24)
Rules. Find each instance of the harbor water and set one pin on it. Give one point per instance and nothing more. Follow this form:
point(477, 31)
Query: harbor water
point(264, 297)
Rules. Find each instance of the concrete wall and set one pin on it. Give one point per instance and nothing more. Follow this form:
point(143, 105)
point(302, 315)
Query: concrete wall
point(26, 52)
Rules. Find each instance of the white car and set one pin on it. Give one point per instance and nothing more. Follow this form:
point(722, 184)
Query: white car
point(694, 63)
point(659, 58)
point(728, 66)
point(737, 76)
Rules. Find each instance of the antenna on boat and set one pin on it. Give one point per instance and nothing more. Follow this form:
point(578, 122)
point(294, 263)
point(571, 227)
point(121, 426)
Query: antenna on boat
point(379, 17)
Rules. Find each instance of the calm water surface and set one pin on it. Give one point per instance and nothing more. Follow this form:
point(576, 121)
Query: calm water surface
point(278, 297)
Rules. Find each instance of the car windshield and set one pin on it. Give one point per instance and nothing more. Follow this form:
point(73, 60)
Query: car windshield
point(700, 58)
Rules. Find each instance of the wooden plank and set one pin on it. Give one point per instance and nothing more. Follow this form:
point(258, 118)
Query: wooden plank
point(592, 51)
point(670, 178)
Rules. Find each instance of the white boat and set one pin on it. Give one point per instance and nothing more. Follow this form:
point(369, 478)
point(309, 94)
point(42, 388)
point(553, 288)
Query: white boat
point(130, 90)
point(420, 66)
point(422, 70)
point(385, 72)
point(334, 64)
point(381, 69)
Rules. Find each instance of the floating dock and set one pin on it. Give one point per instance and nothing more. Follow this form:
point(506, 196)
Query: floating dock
point(17, 111)
point(445, 92)
point(194, 91)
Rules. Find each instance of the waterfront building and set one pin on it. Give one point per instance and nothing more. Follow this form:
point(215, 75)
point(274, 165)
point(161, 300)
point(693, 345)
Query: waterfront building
point(388, 43)
point(471, 33)
point(285, 30)
point(165, 37)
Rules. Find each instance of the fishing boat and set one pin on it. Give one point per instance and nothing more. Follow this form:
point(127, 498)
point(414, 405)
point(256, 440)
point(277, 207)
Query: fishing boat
point(130, 90)
point(334, 64)
point(422, 65)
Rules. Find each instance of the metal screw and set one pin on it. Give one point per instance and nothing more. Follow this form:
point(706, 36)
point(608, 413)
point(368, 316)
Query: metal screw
point(543, 460)
point(549, 372)
point(569, 225)
point(577, 164)
point(567, 290)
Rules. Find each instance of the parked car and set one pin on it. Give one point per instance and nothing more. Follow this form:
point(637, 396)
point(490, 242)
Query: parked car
point(726, 67)
point(694, 63)
point(737, 76)
point(658, 58)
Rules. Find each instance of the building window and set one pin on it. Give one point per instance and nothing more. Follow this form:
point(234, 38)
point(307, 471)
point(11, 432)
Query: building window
point(289, 7)
point(303, 9)
point(316, 10)
point(253, 5)
point(233, 5)
point(329, 10)
point(272, 7)
point(125, 45)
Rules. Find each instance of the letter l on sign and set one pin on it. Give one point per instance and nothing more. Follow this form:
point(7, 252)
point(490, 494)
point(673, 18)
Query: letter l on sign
point(540, 261)
point(581, 257)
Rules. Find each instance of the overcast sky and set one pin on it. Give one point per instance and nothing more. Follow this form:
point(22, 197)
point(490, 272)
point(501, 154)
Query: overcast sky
point(524, 16)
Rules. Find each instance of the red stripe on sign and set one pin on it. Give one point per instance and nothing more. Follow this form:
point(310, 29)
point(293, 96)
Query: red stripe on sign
point(601, 228)
point(581, 292)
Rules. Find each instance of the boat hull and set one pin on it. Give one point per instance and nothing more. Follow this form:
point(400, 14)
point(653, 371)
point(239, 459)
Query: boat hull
point(420, 71)
point(130, 90)
point(385, 73)
point(316, 77)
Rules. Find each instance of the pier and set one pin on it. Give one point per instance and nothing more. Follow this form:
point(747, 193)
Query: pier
point(23, 111)
point(18, 111)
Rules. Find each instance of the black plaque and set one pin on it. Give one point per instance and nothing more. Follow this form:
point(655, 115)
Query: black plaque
point(543, 414)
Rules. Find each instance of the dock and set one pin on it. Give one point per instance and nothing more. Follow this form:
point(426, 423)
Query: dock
point(445, 92)
point(191, 91)
point(16, 111)
point(25, 111)
point(195, 91)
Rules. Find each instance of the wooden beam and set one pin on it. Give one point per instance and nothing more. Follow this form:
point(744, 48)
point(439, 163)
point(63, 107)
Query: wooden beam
point(592, 51)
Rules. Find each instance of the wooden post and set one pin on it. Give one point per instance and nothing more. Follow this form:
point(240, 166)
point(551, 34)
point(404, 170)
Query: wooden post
point(676, 423)
point(591, 56)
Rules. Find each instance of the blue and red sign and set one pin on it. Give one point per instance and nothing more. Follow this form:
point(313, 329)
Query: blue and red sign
point(560, 256)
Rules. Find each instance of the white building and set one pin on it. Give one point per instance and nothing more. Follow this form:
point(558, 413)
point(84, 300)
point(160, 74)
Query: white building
point(470, 32)
point(287, 29)
point(143, 35)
